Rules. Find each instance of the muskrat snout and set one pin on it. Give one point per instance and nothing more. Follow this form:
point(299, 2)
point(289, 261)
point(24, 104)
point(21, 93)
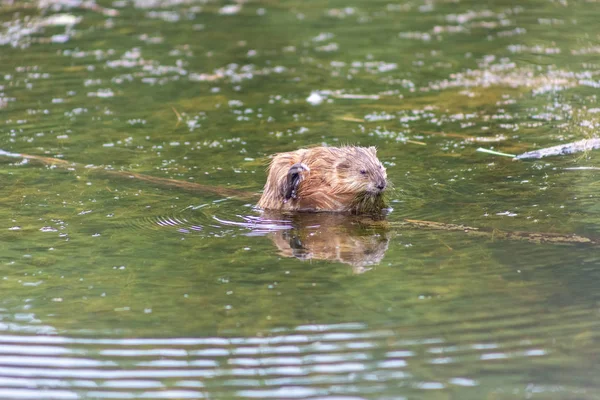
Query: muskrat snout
point(377, 186)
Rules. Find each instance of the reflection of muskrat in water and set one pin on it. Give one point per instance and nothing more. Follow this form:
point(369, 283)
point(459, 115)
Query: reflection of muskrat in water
point(359, 241)
point(342, 179)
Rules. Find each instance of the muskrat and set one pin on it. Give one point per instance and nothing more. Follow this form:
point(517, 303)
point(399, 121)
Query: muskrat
point(340, 179)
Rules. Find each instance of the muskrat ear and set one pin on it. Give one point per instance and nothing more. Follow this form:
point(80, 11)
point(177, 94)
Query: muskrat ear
point(373, 150)
point(294, 177)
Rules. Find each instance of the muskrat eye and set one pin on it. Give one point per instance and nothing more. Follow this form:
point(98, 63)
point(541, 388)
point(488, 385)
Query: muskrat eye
point(363, 171)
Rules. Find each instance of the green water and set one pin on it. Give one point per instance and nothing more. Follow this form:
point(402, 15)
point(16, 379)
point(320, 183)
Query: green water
point(114, 287)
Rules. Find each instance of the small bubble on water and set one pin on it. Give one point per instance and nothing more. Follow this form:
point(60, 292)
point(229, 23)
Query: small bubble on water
point(315, 99)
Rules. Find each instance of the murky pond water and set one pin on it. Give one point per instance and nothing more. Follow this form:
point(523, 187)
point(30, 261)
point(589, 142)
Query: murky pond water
point(118, 286)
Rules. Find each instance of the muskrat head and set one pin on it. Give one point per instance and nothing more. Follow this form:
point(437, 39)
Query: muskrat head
point(362, 172)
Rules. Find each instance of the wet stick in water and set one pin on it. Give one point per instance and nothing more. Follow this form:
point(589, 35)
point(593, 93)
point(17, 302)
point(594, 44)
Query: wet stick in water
point(563, 149)
point(163, 182)
point(496, 153)
point(560, 150)
point(535, 237)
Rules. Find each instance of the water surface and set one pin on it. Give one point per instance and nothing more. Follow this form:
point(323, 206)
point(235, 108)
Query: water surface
point(116, 287)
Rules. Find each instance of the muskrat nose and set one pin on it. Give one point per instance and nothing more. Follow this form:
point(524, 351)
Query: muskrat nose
point(381, 185)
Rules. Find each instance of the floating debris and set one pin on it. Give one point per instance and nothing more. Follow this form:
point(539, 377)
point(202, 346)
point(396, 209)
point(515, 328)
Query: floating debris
point(379, 116)
point(231, 9)
point(352, 119)
point(102, 93)
point(9, 154)
point(481, 139)
point(324, 36)
point(328, 47)
point(315, 99)
point(563, 149)
point(70, 4)
point(61, 20)
point(59, 38)
point(507, 214)
point(357, 96)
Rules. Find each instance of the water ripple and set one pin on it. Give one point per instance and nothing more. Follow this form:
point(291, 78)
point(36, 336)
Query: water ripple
point(309, 361)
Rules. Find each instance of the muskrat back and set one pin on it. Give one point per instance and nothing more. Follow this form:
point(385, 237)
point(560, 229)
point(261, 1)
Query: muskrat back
point(340, 179)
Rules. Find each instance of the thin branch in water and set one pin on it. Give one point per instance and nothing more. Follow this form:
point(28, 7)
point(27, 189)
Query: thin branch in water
point(179, 118)
point(164, 182)
point(496, 153)
point(416, 142)
point(562, 149)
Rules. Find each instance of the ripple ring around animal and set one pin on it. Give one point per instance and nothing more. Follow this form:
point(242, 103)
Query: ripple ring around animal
point(319, 179)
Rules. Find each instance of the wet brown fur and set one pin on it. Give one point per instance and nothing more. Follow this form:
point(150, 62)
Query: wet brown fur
point(340, 179)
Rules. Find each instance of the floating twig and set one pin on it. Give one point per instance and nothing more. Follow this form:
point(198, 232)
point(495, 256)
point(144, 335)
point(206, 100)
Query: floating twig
point(349, 96)
point(496, 153)
point(582, 169)
point(179, 119)
point(352, 119)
